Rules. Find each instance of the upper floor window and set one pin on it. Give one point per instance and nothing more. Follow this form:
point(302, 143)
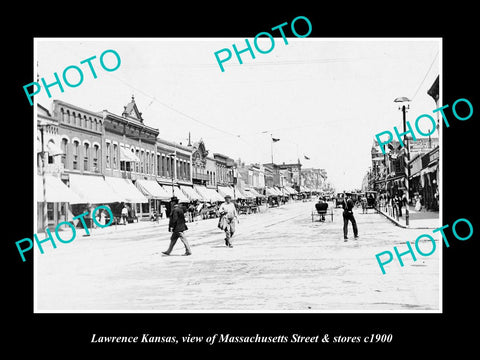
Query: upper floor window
point(64, 150)
point(86, 157)
point(115, 156)
point(95, 158)
point(107, 155)
point(76, 145)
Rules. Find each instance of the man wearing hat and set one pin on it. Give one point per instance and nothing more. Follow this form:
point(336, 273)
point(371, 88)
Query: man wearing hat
point(228, 214)
point(177, 226)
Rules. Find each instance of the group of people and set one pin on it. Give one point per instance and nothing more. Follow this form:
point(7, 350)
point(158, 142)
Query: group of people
point(177, 224)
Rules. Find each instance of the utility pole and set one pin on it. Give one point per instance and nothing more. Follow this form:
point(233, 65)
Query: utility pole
point(407, 182)
point(44, 187)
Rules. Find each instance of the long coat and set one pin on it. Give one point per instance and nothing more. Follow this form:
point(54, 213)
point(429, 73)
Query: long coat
point(177, 220)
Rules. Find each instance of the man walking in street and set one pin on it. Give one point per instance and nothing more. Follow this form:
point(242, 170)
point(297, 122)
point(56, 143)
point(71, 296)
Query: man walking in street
point(348, 215)
point(177, 226)
point(228, 215)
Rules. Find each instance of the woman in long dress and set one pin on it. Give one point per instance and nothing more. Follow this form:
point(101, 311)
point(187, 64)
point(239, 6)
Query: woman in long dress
point(418, 204)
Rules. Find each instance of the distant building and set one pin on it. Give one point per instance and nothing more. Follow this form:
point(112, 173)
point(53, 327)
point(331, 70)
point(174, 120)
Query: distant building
point(282, 175)
point(224, 169)
point(314, 178)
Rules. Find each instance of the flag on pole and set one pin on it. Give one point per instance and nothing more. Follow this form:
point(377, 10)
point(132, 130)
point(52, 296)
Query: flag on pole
point(275, 139)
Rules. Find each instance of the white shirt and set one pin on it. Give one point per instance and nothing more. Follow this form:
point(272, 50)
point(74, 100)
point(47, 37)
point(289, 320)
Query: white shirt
point(229, 209)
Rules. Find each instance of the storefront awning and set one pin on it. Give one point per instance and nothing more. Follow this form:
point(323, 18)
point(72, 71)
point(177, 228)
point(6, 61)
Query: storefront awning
point(208, 194)
point(270, 191)
point(253, 192)
point(56, 191)
point(176, 192)
point(203, 193)
point(190, 193)
point(93, 189)
point(290, 190)
point(226, 190)
point(127, 155)
point(126, 190)
point(242, 194)
point(151, 189)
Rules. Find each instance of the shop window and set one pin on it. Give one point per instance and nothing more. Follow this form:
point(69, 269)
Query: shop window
point(50, 212)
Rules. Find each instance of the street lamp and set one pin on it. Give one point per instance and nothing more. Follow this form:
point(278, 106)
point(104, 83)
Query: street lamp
point(404, 109)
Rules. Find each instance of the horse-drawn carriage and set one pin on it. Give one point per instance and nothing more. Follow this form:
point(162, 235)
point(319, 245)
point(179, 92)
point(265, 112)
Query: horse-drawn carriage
point(368, 200)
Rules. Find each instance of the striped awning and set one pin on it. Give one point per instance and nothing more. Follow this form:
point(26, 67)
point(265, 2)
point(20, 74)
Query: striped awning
point(271, 191)
point(152, 189)
point(226, 190)
point(190, 193)
point(243, 194)
point(176, 192)
point(56, 191)
point(93, 189)
point(253, 192)
point(126, 190)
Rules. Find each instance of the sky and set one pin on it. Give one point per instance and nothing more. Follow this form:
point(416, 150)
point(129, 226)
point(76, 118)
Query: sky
point(323, 98)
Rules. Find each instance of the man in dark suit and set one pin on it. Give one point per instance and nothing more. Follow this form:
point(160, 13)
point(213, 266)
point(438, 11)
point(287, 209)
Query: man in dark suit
point(348, 215)
point(177, 226)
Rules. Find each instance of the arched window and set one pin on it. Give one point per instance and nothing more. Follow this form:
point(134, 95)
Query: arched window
point(114, 156)
point(86, 155)
point(76, 145)
point(107, 155)
point(50, 157)
point(95, 158)
point(147, 162)
point(152, 164)
point(73, 118)
point(63, 146)
point(137, 165)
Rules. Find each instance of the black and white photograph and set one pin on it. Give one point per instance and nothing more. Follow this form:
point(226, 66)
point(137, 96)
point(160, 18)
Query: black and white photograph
point(212, 175)
point(246, 180)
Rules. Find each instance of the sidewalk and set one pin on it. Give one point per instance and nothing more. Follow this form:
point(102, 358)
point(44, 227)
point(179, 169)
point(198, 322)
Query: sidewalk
point(417, 219)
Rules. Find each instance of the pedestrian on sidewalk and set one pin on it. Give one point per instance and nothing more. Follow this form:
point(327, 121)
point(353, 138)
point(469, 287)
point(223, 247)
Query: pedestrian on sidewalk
point(124, 214)
point(348, 215)
point(177, 227)
point(398, 199)
point(228, 216)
